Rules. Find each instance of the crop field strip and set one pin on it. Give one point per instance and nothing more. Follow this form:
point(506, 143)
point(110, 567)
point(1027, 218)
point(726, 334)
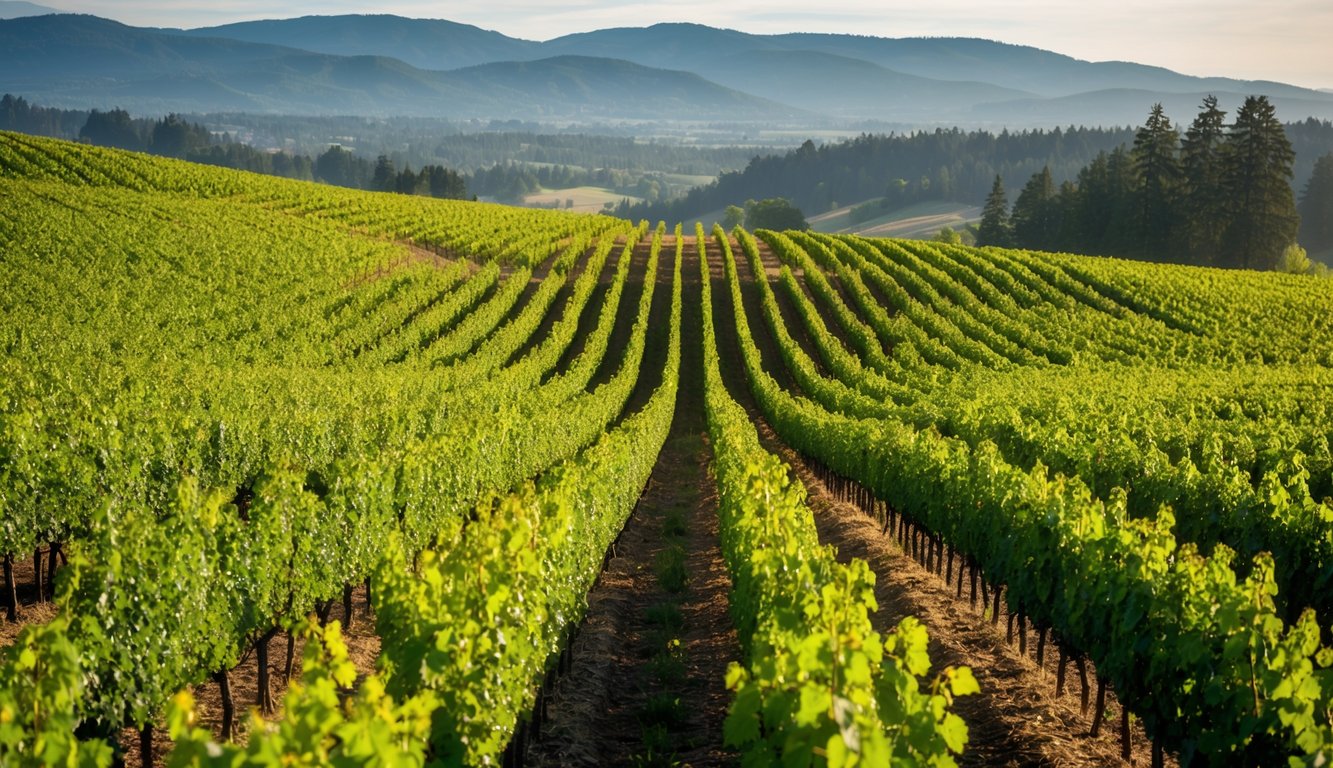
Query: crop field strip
point(813, 424)
point(232, 404)
point(1015, 720)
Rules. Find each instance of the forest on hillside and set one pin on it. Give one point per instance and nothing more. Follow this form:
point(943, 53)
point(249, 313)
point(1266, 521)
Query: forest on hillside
point(896, 170)
point(1215, 193)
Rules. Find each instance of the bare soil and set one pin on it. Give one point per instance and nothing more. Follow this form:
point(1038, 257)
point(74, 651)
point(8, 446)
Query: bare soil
point(363, 647)
point(600, 712)
point(32, 609)
point(1016, 720)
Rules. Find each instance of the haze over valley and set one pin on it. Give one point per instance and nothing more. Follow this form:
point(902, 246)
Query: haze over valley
point(393, 66)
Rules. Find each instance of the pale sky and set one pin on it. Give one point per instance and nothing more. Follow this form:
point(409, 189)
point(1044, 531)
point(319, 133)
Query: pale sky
point(1285, 40)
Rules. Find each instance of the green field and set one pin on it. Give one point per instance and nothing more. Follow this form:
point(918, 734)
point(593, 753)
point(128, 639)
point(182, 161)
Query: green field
point(233, 406)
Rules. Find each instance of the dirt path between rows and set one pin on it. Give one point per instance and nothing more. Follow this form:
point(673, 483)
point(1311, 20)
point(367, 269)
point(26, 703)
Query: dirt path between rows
point(630, 698)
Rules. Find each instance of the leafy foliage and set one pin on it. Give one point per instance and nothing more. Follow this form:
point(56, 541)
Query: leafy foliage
point(1129, 551)
point(41, 683)
point(322, 725)
point(820, 686)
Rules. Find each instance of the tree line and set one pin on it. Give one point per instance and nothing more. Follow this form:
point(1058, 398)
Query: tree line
point(894, 169)
point(887, 172)
point(1216, 193)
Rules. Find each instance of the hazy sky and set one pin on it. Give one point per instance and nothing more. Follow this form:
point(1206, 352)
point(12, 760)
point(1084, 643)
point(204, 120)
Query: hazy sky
point(1285, 40)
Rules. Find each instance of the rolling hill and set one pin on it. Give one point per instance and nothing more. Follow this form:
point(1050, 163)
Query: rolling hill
point(14, 9)
point(848, 87)
point(583, 85)
point(1113, 106)
point(388, 65)
point(86, 61)
point(423, 43)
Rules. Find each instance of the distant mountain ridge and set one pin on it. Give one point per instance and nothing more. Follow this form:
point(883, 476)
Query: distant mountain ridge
point(86, 61)
point(389, 65)
point(14, 9)
point(432, 44)
point(676, 45)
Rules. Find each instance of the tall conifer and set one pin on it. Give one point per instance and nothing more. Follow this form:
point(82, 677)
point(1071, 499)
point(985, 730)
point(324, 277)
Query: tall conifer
point(1035, 220)
point(1317, 208)
point(1203, 200)
point(994, 228)
point(1158, 168)
point(1261, 209)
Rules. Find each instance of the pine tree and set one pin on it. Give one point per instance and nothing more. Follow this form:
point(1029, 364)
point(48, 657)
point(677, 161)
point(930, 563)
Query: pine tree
point(1123, 186)
point(1101, 210)
point(1261, 209)
point(1204, 200)
point(336, 166)
point(112, 129)
point(1317, 208)
point(386, 176)
point(1035, 218)
point(994, 229)
point(1086, 218)
point(1068, 205)
point(1159, 174)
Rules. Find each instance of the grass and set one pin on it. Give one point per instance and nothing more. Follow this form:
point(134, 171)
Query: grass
point(670, 568)
point(674, 525)
point(664, 712)
point(657, 752)
point(666, 616)
point(586, 199)
point(919, 221)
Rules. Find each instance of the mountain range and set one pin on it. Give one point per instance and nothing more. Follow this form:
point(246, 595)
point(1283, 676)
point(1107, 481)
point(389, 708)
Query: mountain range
point(13, 9)
point(380, 65)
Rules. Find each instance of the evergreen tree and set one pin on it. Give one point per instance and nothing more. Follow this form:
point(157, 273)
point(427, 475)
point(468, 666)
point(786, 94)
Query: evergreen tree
point(408, 183)
point(337, 166)
point(994, 229)
point(1086, 215)
point(1159, 174)
point(1203, 201)
point(1121, 203)
point(112, 129)
point(446, 183)
point(174, 137)
point(16, 114)
point(1317, 208)
point(1036, 216)
point(1261, 208)
point(386, 176)
point(1068, 205)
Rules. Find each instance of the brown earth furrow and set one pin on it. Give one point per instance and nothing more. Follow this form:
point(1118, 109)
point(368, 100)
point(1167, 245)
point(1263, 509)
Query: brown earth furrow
point(608, 709)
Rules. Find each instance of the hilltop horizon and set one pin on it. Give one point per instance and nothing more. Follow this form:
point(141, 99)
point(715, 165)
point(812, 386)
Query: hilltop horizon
point(386, 65)
point(1284, 46)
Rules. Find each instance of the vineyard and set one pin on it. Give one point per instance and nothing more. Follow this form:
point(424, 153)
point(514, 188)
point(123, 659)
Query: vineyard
point(292, 474)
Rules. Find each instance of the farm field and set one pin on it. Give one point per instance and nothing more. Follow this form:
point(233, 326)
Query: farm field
point(916, 222)
point(303, 475)
point(586, 199)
